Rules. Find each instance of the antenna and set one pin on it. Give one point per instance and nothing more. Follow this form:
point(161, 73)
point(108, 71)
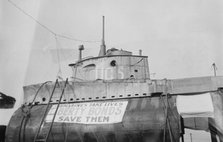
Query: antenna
point(103, 30)
point(103, 46)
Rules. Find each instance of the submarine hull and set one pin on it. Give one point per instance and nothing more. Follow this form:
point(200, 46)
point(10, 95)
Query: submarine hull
point(144, 120)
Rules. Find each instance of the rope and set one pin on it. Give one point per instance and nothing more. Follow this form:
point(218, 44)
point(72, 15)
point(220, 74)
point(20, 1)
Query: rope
point(137, 62)
point(167, 121)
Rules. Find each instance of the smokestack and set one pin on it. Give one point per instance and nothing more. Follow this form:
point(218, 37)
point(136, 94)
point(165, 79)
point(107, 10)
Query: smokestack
point(81, 47)
point(140, 52)
point(103, 47)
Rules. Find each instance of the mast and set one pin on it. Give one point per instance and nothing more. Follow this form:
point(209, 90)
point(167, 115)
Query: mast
point(103, 46)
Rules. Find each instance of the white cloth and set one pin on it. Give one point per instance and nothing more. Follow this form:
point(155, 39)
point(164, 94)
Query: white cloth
point(195, 105)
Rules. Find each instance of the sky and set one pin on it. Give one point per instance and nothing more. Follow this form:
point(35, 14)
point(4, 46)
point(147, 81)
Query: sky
point(182, 38)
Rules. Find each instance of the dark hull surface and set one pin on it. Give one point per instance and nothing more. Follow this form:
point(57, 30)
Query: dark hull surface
point(144, 120)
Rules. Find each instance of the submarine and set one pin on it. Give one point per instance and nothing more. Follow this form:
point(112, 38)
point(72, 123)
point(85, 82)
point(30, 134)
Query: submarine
point(111, 98)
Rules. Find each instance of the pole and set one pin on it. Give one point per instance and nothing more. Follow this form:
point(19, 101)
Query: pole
point(215, 69)
point(191, 137)
point(182, 132)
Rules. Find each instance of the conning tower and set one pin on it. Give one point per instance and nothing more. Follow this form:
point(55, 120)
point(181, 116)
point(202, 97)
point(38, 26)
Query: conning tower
point(116, 64)
point(110, 64)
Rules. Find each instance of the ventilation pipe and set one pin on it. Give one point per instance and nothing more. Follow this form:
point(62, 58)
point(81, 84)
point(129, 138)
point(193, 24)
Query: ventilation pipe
point(81, 47)
point(140, 52)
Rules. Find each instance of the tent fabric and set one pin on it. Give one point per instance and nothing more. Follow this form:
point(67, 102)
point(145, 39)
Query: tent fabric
point(203, 112)
point(217, 121)
point(195, 105)
point(196, 123)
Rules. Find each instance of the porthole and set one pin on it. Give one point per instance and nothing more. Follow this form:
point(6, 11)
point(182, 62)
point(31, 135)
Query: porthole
point(113, 63)
point(43, 99)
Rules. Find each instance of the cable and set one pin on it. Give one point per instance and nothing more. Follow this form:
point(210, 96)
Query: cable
point(46, 28)
point(30, 16)
point(69, 38)
point(37, 92)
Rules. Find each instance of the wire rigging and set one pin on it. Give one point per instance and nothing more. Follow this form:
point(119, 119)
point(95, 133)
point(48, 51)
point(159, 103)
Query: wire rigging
point(56, 36)
point(48, 29)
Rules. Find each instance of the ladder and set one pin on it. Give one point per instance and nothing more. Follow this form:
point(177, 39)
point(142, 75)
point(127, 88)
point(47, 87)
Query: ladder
point(45, 133)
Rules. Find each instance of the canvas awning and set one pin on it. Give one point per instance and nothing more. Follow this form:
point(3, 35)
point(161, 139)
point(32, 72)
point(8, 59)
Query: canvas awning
point(195, 105)
point(203, 112)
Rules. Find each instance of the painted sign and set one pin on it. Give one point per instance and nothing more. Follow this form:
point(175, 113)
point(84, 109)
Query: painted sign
point(89, 113)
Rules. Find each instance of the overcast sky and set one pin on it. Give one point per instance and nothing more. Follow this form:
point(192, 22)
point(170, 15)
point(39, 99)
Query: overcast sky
point(182, 38)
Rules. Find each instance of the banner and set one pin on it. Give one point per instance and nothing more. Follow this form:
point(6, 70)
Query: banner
point(89, 113)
